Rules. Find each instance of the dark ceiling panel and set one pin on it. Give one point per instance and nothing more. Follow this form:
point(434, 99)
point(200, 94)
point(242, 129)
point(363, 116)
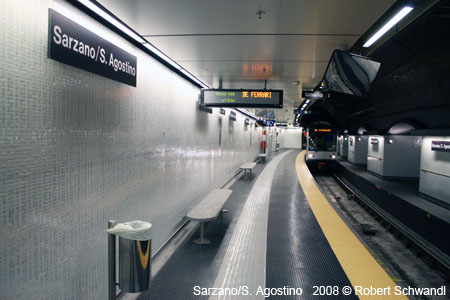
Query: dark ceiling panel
point(413, 83)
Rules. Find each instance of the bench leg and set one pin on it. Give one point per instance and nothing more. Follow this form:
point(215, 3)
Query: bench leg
point(202, 240)
point(246, 174)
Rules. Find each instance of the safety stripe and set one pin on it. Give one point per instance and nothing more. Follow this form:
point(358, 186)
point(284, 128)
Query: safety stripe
point(359, 265)
point(244, 263)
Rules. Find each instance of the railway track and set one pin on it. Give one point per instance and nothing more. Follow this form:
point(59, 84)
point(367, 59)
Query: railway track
point(403, 258)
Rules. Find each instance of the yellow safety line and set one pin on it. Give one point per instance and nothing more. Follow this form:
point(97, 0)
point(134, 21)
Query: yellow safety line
point(358, 264)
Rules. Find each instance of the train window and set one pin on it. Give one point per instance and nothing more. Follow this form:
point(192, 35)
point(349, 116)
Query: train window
point(322, 141)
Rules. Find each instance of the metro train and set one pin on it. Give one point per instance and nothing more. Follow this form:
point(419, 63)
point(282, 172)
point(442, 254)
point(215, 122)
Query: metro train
point(321, 146)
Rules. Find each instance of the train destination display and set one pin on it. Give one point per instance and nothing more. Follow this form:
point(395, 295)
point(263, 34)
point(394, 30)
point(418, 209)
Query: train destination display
point(242, 98)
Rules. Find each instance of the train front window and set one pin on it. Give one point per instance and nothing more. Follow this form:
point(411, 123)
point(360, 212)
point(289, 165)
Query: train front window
point(321, 141)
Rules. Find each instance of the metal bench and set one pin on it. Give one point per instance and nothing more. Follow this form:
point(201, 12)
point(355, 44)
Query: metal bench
point(207, 210)
point(262, 157)
point(248, 167)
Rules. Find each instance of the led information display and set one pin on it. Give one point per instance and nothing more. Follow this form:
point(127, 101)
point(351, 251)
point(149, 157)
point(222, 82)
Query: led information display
point(72, 44)
point(242, 98)
point(322, 130)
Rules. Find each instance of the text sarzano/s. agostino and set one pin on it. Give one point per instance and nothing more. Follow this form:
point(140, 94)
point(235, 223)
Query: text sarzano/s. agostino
point(72, 44)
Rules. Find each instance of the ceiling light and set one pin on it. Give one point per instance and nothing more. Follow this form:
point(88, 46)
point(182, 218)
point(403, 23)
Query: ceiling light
point(247, 114)
point(109, 18)
point(128, 31)
point(192, 77)
point(161, 55)
point(400, 15)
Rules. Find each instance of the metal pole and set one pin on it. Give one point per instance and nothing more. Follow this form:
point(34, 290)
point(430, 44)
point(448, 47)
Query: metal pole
point(111, 262)
point(202, 228)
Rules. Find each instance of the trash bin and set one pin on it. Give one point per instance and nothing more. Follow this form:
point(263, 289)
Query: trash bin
point(134, 255)
point(134, 265)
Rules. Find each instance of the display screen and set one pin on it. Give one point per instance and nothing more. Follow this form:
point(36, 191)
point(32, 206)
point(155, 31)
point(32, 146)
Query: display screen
point(349, 73)
point(242, 98)
point(322, 130)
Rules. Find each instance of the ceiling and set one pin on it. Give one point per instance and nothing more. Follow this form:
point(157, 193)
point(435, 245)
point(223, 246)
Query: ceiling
point(226, 42)
point(412, 85)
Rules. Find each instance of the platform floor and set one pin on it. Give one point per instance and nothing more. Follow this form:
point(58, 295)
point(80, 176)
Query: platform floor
point(280, 232)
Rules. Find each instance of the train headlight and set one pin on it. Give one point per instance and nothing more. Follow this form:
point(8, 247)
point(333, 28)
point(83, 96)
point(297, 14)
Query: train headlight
point(333, 156)
point(310, 156)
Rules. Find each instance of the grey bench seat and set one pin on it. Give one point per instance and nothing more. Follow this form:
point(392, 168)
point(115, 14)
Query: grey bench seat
point(208, 209)
point(262, 157)
point(248, 167)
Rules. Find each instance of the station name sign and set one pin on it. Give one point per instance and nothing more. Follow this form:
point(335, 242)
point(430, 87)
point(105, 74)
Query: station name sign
point(72, 44)
point(440, 146)
point(242, 98)
point(315, 95)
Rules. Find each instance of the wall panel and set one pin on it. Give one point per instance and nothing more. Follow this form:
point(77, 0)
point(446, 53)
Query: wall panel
point(78, 149)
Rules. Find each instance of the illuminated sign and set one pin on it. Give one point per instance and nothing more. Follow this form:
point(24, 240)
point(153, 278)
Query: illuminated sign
point(322, 130)
point(315, 95)
point(242, 98)
point(270, 123)
point(374, 141)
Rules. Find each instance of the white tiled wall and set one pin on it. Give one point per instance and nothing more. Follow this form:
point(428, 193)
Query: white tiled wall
point(77, 149)
point(290, 138)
